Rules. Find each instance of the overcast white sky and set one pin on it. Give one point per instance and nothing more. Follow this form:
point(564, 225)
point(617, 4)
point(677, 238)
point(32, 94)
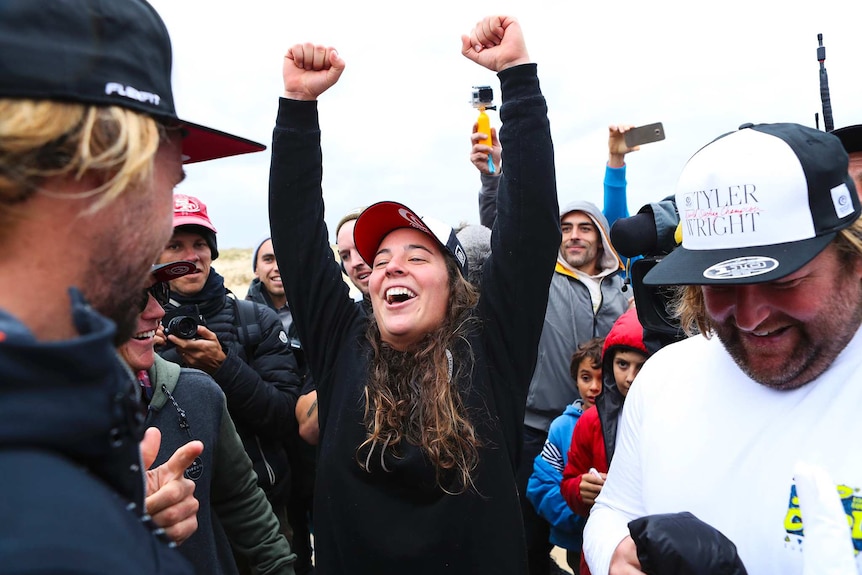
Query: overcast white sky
point(397, 125)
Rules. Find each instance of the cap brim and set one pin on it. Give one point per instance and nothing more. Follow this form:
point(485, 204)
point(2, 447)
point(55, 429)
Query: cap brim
point(193, 220)
point(735, 266)
point(201, 143)
point(377, 221)
point(172, 270)
point(851, 137)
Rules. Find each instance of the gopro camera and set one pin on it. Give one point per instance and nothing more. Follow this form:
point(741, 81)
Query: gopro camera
point(483, 97)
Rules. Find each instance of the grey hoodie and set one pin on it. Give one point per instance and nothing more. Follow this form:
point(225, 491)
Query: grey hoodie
point(570, 321)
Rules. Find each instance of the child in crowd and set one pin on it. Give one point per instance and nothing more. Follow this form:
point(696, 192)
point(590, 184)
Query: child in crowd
point(543, 488)
point(592, 442)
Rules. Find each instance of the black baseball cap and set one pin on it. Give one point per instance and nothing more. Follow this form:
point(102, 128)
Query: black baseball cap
point(851, 137)
point(104, 53)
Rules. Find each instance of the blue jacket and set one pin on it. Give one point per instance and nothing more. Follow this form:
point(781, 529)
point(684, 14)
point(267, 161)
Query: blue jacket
point(70, 465)
point(543, 488)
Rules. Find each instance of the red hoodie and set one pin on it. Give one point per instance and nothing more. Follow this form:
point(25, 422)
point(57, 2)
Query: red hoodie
point(587, 448)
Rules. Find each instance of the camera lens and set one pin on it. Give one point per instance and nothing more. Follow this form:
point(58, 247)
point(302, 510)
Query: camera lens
point(184, 327)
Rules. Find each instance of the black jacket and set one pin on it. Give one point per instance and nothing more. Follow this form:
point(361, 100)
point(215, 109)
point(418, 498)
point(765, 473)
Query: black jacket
point(401, 521)
point(70, 465)
point(259, 294)
point(261, 390)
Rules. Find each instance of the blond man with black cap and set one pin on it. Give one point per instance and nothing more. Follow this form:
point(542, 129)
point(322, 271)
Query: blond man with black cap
point(90, 150)
point(750, 425)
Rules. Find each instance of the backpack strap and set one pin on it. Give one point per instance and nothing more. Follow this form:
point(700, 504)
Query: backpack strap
point(248, 326)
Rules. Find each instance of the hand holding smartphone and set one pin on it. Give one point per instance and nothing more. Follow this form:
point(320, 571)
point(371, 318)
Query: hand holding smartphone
point(644, 135)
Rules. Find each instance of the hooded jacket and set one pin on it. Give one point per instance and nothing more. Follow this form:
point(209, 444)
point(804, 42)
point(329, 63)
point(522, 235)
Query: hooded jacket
point(627, 334)
point(187, 404)
point(70, 464)
point(543, 488)
point(596, 431)
point(570, 321)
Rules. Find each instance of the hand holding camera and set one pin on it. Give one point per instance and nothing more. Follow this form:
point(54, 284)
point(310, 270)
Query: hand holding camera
point(204, 352)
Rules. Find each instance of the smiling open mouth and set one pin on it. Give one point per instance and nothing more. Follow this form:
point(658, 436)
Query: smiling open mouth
point(399, 295)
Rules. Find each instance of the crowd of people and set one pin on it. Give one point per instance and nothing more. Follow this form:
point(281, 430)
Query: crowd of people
point(495, 390)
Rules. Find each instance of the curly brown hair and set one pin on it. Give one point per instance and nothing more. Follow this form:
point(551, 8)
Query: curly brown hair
point(414, 396)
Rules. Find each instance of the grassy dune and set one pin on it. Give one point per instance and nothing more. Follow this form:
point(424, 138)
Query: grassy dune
point(234, 265)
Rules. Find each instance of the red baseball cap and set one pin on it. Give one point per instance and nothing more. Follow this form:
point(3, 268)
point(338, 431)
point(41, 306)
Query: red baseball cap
point(377, 220)
point(190, 211)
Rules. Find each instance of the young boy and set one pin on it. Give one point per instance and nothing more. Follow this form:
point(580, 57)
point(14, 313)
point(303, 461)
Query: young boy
point(592, 443)
point(543, 487)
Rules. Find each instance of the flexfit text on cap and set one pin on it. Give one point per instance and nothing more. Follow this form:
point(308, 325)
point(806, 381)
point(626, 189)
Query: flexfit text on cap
point(378, 220)
point(757, 204)
point(103, 53)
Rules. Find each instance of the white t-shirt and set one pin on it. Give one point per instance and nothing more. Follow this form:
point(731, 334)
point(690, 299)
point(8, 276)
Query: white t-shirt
point(698, 435)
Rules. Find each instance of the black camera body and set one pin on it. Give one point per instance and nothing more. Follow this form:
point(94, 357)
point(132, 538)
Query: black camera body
point(183, 322)
point(182, 326)
point(650, 234)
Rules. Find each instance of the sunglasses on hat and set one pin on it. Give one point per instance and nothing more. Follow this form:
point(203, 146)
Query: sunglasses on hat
point(160, 291)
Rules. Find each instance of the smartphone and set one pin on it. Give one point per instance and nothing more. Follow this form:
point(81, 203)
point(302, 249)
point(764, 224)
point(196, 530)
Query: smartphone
point(644, 135)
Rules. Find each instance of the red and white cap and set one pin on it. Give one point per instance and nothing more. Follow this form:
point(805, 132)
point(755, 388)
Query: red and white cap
point(190, 211)
point(379, 219)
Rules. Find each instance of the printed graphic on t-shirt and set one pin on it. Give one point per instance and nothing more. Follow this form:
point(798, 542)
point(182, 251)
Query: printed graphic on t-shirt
point(851, 499)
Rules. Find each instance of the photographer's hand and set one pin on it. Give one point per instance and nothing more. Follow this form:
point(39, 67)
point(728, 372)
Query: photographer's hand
point(496, 43)
point(309, 70)
point(479, 152)
point(204, 353)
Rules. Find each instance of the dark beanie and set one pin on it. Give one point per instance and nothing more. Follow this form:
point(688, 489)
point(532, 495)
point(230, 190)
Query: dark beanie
point(207, 234)
point(257, 251)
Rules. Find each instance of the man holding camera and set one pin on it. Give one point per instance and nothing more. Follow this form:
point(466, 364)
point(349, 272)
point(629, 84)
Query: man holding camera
point(241, 344)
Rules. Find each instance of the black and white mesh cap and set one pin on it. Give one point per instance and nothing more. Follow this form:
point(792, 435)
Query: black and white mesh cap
point(758, 204)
